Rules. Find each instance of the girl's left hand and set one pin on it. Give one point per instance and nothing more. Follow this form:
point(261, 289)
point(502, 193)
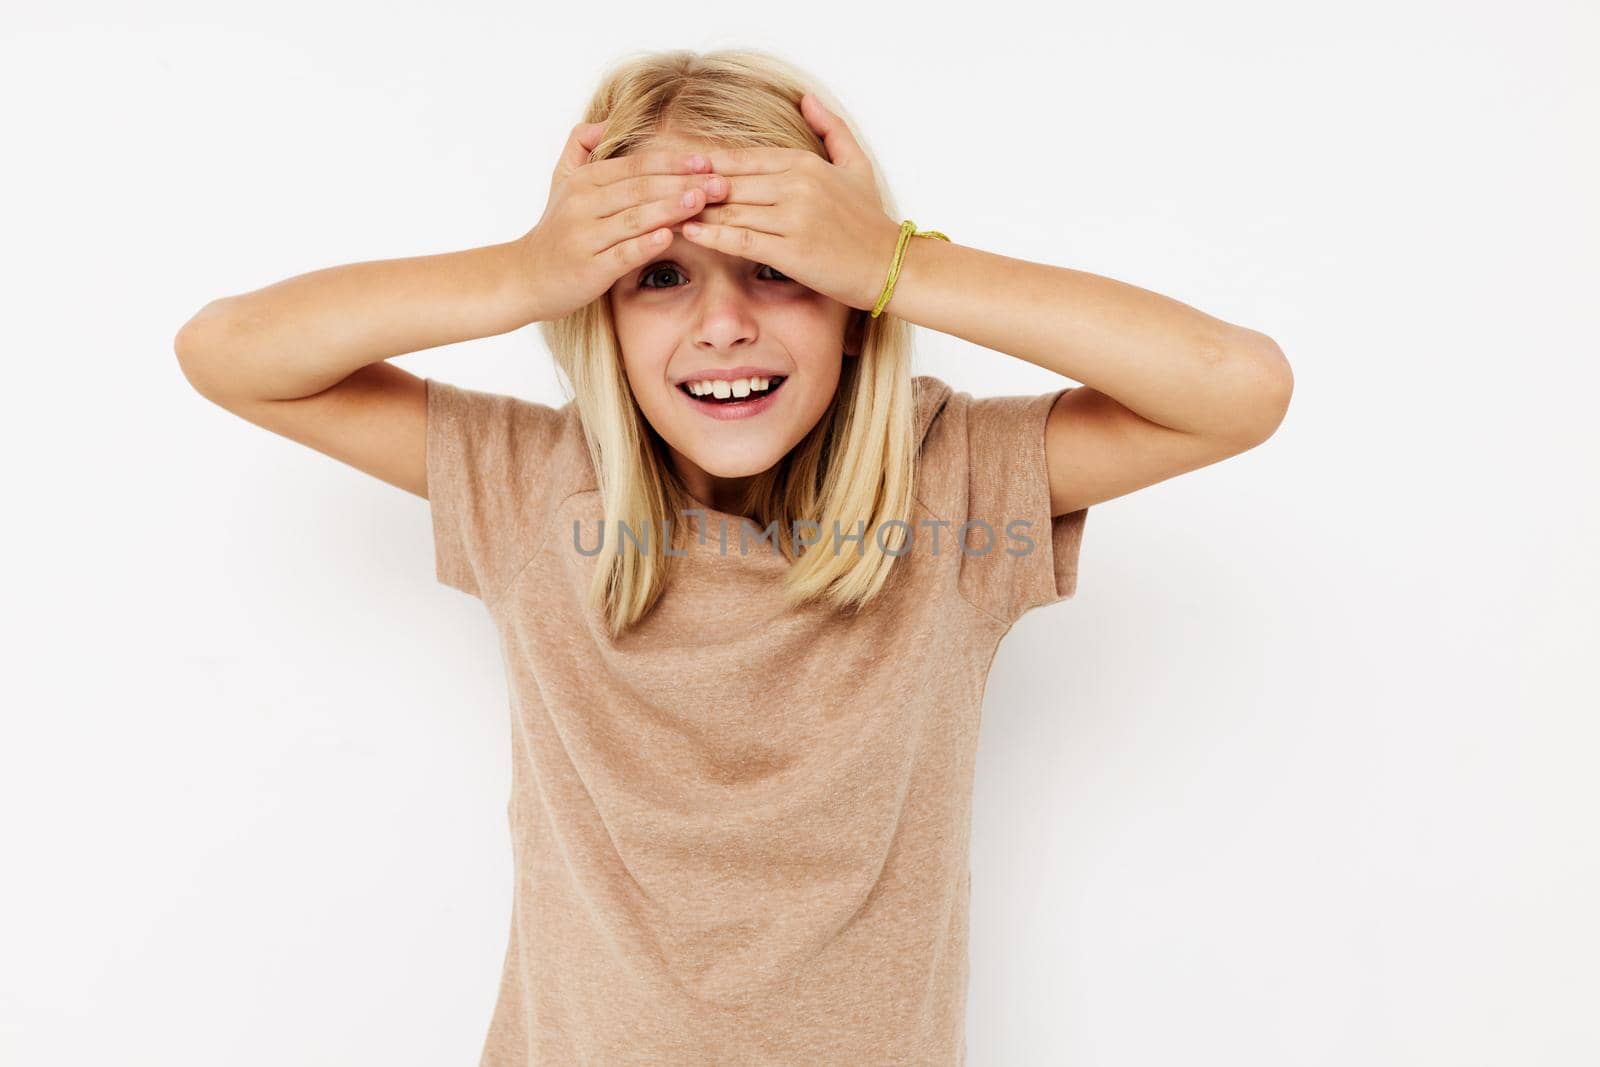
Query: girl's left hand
point(819, 222)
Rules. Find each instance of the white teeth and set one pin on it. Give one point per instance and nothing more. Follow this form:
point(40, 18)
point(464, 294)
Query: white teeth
point(722, 388)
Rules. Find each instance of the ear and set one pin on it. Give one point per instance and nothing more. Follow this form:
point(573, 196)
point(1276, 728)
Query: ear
point(855, 331)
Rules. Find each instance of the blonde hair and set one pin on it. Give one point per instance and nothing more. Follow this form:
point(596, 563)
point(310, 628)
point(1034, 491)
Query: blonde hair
point(855, 467)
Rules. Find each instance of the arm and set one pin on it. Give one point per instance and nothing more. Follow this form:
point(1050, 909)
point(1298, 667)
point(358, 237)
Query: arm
point(304, 357)
point(1168, 388)
point(307, 357)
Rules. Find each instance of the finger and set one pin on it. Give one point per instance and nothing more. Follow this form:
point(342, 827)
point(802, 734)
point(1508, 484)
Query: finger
point(751, 188)
point(734, 240)
point(768, 219)
point(653, 161)
point(619, 196)
point(644, 219)
point(590, 135)
point(583, 139)
point(843, 149)
point(635, 251)
point(754, 160)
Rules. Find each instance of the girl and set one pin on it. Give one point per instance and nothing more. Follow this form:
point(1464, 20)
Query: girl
point(751, 577)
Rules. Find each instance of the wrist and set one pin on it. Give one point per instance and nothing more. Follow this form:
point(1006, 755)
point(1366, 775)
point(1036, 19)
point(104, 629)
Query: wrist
point(916, 256)
point(882, 261)
point(520, 286)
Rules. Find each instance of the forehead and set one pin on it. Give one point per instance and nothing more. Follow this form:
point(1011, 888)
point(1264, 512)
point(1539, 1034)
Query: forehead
point(672, 142)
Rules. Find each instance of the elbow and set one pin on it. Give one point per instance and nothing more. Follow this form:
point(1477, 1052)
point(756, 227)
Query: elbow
point(1266, 387)
point(197, 351)
point(190, 361)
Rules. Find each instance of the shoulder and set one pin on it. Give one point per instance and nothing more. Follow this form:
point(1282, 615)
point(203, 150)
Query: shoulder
point(499, 439)
point(499, 467)
point(485, 416)
point(931, 396)
point(982, 467)
point(972, 448)
point(943, 449)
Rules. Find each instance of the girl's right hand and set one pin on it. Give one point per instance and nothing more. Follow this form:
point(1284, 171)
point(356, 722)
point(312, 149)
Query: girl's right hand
point(605, 219)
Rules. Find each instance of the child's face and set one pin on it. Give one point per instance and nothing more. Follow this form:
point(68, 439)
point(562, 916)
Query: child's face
point(692, 314)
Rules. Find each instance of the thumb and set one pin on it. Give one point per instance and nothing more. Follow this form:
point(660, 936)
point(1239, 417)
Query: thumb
point(843, 150)
point(584, 138)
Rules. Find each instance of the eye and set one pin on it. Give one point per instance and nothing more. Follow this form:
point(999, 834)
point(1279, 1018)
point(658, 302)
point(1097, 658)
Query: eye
point(666, 266)
point(655, 269)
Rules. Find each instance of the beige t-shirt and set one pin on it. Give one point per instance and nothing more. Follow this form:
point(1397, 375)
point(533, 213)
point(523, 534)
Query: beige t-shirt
point(740, 833)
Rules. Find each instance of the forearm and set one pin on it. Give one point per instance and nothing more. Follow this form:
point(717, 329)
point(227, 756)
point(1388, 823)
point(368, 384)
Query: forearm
point(301, 335)
point(1166, 361)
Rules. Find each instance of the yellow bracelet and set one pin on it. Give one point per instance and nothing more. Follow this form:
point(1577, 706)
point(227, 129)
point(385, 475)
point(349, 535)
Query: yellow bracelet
point(908, 230)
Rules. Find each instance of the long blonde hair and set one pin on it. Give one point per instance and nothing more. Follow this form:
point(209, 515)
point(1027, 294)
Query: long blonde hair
point(855, 467)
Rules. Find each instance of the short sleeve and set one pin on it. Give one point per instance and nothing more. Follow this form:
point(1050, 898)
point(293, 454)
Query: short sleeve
point(1032, 556)
point(489, 456)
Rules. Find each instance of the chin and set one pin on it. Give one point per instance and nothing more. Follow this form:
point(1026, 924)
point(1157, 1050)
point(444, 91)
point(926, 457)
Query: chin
point(741, 466)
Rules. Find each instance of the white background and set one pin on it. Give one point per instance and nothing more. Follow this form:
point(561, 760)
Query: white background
point(1304, 774)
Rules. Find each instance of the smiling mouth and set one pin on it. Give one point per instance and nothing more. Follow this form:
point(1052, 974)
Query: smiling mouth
point(773, 385)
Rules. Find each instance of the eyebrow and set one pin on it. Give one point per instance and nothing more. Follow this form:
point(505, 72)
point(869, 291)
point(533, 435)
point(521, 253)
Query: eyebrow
point(672, 254)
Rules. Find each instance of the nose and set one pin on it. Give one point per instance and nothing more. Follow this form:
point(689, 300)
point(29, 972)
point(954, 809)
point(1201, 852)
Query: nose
point(726, 318)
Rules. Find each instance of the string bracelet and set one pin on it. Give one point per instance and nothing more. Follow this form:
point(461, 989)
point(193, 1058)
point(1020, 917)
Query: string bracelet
point(908, 230)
